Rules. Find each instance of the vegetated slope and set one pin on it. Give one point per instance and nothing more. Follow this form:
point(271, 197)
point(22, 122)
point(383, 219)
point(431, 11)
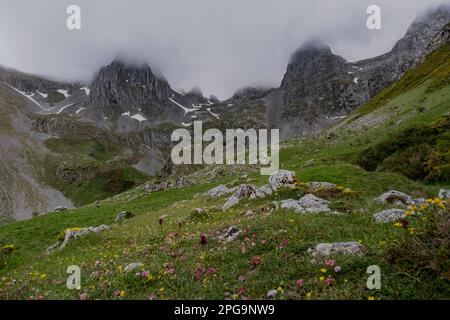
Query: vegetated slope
point(182, 257)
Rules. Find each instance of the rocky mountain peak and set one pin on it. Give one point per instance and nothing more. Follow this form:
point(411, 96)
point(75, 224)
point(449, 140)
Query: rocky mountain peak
point(128, 86)
point(422, 31)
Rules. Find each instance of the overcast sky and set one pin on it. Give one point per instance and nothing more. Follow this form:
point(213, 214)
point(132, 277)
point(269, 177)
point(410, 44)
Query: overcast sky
point(217, 45)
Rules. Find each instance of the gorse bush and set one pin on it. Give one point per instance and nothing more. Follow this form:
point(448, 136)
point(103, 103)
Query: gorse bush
point(419, 153)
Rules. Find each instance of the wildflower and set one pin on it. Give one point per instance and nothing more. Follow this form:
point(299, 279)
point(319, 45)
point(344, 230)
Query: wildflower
point(120, 268)
point(211, 270)
point(256, 261)
point(119, 293)
point(280, 290)
point(371, 298)
point(83, 296)
point(323, 270)
point(161, 220)
point(322, 278)
point(382, 243)
point(398, 225)
point(300, 283)
point(309, 295)
point(203, 240)
point(241, 278)
point(330, 262)
point(404, 223)
point(329, 281)
point(241, 291)
point(337, 269)
point(161, 290)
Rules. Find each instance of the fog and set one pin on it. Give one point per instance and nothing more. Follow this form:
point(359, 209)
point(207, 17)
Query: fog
point(219, 46)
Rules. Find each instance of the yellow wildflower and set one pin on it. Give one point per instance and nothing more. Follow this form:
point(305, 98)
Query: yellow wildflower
point(370, 298)
point(398, 225)
point(323, 270)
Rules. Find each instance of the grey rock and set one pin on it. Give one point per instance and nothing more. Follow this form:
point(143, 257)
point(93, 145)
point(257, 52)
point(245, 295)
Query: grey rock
point(264, 191)
point(132, 266)
point(389, 215)
point(314, 186)
point(70, 234)
point(393, 196)
point(124, 215)
point(444, 194)
point(232, 234)
point(272, 294)
point(219, 191)
point(307, 204)
point(328, 249)
point(243, 191)
point(282, 179)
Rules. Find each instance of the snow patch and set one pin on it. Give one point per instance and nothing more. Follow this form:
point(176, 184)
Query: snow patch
point(43, 95)
point(186, 110)
point(65, 107)
point(64, 93)
point(28, 96)
point(86, 90)
point(136, 116)
point(213, 114)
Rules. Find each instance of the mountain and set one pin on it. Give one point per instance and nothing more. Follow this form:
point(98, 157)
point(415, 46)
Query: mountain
point(320, 87)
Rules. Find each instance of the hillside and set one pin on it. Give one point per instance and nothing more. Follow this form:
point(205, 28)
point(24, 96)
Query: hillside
point(179, 243)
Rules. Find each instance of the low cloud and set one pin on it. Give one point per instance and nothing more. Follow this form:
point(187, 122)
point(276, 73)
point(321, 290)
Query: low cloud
point(216, 45)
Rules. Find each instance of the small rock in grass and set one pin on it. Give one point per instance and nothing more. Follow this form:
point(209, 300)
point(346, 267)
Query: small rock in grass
point(444, 194)
point(132, 266)
point(308, 203)
point(389, 215)
point(124, 215)
point(272, 294)
point(315, 186)
point(232, 234)
point(327, 249)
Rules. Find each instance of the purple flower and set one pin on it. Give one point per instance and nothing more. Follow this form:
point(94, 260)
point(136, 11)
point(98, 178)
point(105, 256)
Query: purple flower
point(337, 269)
point(203, 240)
point(330, 262)
point(300, 283)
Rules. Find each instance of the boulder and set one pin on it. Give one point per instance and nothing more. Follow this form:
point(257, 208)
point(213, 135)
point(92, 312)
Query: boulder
point(243, 191)
point(264, 191)
point(389, 215)
point(75, 234)
point(272, 294)
point(395, 197)
point(444, 194)
point(308, 203)
point(282, 179)
point(219, 191)
point(328, 249)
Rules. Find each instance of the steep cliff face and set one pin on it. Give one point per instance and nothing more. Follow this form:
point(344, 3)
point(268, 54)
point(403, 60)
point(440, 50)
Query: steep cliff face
point(129, 88)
